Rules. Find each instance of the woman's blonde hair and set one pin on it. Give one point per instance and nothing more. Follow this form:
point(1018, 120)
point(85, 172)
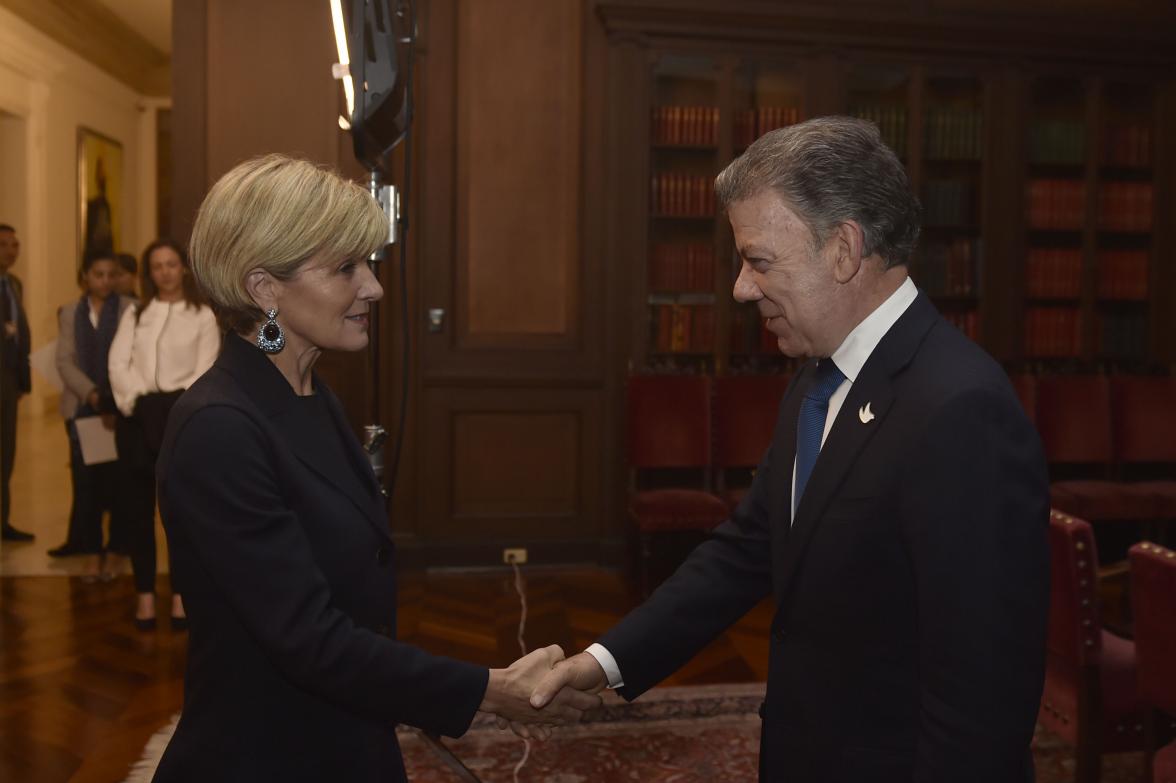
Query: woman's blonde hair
point(274, 213)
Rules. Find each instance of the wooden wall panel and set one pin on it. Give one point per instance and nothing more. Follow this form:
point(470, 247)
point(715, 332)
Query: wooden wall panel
point(518, 164)
point(511, 465)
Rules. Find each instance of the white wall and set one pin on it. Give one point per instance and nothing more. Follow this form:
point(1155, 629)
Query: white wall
point(48, 93)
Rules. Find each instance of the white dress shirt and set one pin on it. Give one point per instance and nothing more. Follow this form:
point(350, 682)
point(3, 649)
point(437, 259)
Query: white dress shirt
point(171, 345)
point(849, 357)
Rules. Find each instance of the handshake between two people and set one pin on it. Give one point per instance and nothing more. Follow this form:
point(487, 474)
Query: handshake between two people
point(543, 690)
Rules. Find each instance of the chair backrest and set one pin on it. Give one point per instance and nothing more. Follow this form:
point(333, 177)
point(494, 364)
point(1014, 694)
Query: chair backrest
point(1075, 630)
point(1074, 418)
point(1153, 602)
point(668, 421)
point(1025, 385)
point(1145, 418)
point(746, 407)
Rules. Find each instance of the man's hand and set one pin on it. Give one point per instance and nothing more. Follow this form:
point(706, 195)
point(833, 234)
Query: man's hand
point(579, 673)
point(509, 692)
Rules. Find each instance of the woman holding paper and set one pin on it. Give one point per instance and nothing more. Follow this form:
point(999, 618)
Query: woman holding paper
point(85, 332)
point(162, 346)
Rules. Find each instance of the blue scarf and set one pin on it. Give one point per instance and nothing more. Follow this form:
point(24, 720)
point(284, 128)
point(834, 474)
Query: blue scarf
point(93, 345)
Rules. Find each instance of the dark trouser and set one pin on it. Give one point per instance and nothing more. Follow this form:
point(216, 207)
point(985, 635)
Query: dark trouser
point(138, 439)
point(8, 395)
point(94, 492)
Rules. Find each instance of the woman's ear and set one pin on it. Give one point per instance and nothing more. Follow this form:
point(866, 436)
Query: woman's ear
point(262, 289)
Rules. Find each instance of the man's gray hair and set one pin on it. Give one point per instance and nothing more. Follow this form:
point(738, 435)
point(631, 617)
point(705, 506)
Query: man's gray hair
point(829, 170)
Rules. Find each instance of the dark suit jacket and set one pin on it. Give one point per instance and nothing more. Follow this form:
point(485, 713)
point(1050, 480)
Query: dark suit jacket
point(294, 673)
point(912, 588)
point(15, 355)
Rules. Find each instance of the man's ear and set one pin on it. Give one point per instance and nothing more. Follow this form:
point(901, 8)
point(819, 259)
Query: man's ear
point(262, 289)
point(848, 243)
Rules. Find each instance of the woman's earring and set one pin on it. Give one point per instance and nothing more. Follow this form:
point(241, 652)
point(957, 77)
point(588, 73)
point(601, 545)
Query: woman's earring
point(270, 337)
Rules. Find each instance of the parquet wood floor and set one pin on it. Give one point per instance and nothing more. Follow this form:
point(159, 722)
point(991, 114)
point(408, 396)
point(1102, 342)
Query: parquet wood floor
point(81, 689)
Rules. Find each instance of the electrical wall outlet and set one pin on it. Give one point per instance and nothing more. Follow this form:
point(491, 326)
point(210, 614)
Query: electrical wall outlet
point(514, 556)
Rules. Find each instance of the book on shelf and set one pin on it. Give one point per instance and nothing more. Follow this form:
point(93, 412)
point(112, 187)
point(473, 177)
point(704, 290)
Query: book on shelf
point(687, 126)
point(682, 195)
point(1053, 332)
point(951, 268)
point(948, 202)
point(682, 328)
point(1058, 204)
point(891, 121)
point(967, 322)
point(682, 267)
point(1128, 145)
point(954, 133)
point(1123, 274)
point(1053, 273)
point(1125, 206)
point(1123, 335)
point(1058, 142)
point(750, 124)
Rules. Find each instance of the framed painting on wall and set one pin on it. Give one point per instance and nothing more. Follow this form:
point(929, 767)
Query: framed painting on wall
point(100, 192)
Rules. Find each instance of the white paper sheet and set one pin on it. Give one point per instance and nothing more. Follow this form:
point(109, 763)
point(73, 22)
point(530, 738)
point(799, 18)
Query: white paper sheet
point(97, 441)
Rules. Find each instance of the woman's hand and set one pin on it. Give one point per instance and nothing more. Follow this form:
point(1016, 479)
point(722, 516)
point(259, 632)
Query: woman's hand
point(509, 690)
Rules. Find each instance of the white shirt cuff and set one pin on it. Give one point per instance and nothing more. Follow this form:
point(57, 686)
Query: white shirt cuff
point(608, 663)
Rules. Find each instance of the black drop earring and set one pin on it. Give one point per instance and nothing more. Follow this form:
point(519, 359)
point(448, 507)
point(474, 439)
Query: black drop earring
point(270, 337)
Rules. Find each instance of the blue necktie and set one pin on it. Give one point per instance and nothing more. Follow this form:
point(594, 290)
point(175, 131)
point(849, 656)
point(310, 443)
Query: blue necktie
point(810, 425)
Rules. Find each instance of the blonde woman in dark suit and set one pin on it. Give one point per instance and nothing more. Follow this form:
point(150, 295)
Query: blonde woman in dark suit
point(277, 526)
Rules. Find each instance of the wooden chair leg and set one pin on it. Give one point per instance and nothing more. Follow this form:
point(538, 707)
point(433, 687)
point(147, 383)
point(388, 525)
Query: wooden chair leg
point(1088, 754)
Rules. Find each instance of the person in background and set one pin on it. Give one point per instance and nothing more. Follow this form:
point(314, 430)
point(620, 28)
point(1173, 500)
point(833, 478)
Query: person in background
point(15, 377)
point(162, 346)
point(128, 273)
point(86, 330)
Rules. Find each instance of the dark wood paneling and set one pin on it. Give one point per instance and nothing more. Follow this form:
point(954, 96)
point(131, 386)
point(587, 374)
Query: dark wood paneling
point(189, 160)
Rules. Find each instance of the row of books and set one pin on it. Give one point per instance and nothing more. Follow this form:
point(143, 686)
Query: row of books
point(682, 328)
point(1055, 203)
point(1053, 273)
point(1125, 206)
point(750, 124)
point(686, 125)
point(1128, 145)
point(748, 335)
point(1058, 142)
point(950, 268)
point(948, 202)
point(891, 122)
point(682, 267)
point(1123, 335)
point(682, 195)
point(1123, 274)
point(1056, 273)
point(967, 322)
point(954, 134)
point(1053, 332)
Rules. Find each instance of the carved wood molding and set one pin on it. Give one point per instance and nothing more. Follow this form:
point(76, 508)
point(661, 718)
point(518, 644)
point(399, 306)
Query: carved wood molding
point(96, 34)
point(1095, 37)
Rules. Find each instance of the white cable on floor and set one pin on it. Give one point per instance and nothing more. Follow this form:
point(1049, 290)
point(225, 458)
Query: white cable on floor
point(521, 589)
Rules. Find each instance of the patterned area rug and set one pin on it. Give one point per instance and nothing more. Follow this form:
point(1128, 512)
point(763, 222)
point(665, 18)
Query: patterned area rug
point(671, 735)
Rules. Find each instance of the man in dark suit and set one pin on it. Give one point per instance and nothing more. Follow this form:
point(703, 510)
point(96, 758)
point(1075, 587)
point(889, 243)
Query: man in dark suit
point(15, 378)
point(899, 517)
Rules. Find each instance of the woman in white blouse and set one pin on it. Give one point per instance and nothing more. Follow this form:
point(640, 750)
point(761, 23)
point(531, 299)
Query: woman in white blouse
point(161, 347)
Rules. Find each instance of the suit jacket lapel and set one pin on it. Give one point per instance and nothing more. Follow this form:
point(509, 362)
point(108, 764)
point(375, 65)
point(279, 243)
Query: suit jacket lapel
point(274, 397)
point(849, 434)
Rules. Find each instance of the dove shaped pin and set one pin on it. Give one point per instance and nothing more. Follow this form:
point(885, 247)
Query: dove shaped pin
point(865, 414)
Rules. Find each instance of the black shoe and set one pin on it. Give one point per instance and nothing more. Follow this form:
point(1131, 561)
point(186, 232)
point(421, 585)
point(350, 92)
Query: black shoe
point(9, 533)
point(179, 624)
point(65, 550)
point(145, 624)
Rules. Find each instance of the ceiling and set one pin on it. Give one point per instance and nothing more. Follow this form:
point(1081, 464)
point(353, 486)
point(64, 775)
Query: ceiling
point(151, 19)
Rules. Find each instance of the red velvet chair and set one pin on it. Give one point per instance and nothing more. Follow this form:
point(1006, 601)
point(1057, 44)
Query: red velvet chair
point(1145, 423)
point(1090, 698)
point(669, 426)
point(1153, 598)
point(1074, 420)
point(746, 408)
point(1025, 386)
